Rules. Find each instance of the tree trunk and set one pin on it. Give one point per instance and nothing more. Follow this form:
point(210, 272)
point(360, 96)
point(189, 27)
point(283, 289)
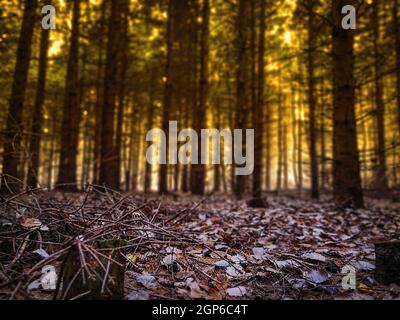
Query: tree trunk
point(36, 129)
point(99, 97)
point(108, 166)
point(241, 79)
point(71, 110)
point(258, 106)
point(346, 166)
point(121, 90)
point(381, 174)
point(200, 170)
point(168, 92)
point(312, 100)
point(397, 44)
point(13, 134)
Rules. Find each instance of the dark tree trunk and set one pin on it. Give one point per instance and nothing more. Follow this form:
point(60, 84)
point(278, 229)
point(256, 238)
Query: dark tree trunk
point(381, 174)
point(99, 97)
point(121, 90)
point(346, 166)
point(108, 166)
point(168, 92)
point(71, 110)
point(258, 111)
point(13, 134)
point(397, 44)
point(36, 129)
point(311, 29)
point(200, 170)
point(150, 121)
point(241, 80)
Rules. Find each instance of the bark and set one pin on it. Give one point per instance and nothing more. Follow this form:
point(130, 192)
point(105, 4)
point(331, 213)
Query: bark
point(258, 111)
point(13, 134)
point(168, 92)
point(108, 166)
point(99, 97)
point(346, 166)
point(200, 170)
point(241, 80)
point(311, 30)
point(397, 45)
point(71, 110)
point(36, 129)
point(381, 174)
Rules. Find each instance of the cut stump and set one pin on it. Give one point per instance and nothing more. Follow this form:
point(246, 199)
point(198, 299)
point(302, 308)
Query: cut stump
point(86, 276)
point(258, 203)
point(387, 268)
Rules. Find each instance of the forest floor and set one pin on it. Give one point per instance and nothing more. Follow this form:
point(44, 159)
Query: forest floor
point(184, 247)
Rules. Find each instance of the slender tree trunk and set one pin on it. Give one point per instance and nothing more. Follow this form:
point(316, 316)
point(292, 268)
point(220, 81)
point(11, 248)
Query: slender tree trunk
point(99, 97)
point(346, 171)
point(397, 44)
point(200, 170)
point(312, 100)
point(168, 92)
point(121, 90)
point(381, 175)
point(150, 121)
point(241, 79)
point(13, 134)
point(36, 129)
point(258, 111)
point(71, 112)
point(280, 141)
point(108, 166)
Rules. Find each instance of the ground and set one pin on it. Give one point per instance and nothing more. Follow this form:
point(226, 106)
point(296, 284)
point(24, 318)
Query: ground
point(184, 247)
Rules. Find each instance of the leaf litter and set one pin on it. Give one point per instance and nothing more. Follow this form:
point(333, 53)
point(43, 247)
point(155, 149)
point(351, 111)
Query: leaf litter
point(220, 249)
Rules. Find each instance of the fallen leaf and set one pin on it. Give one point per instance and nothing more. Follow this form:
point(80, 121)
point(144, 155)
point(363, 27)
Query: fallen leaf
point(236, 292)
point(316, 276)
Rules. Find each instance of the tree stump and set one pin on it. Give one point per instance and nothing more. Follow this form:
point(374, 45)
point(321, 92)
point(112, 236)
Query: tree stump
point(258, 203)
point(387, 268)
point(103, 278)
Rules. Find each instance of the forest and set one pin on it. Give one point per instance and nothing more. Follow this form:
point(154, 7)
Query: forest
point(199, 149)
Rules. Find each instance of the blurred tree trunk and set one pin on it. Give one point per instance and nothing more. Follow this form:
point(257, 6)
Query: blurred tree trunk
point(280, 139)
point(241, 80)
point(13, 134)
point(311, 39)
point(108, 167)
point(168, 92)
point(99, 96)
point(346, 171)
point(200, 170)
point(122, 89)
point(258, 111)
point(71, 110)
point(149, 124)
point(36, 129)
point(381, 174)
point(397, 44)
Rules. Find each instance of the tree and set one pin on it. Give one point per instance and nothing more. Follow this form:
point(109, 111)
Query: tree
point(381, 174)
point(346, 166)
point(13, 134)
point(67, 178)
point(311, 39)
point(109, 152)
point(241, 78)
point(396, 25)
point(36, 128)
point(199, 170)
point(259, 106)
point(168, 91)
